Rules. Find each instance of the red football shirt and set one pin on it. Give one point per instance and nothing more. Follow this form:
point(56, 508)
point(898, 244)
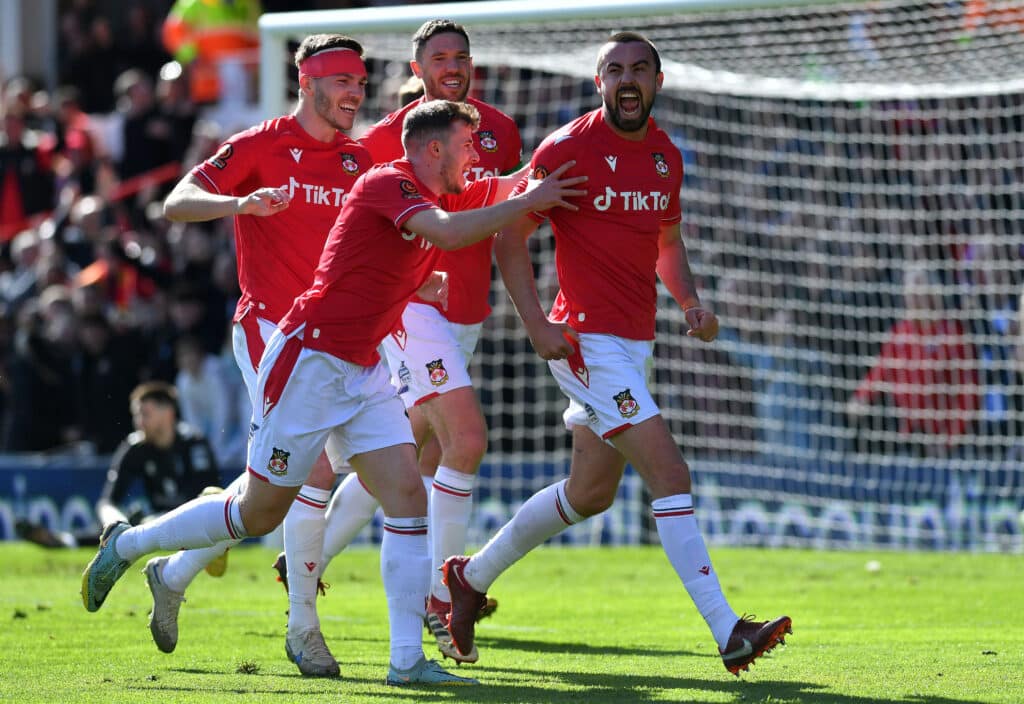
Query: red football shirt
point(498, 144)
point(277, 255)
point(371, 265)
point(607, 252)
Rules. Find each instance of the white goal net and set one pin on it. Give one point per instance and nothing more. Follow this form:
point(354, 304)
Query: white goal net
point(854, 210)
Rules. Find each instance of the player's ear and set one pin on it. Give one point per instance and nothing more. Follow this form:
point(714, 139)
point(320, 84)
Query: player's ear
point(306, 84)
point(661, 79)
point(416, 70)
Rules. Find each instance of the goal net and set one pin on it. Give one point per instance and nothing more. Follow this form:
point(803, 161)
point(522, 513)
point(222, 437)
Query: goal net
point(853, 210)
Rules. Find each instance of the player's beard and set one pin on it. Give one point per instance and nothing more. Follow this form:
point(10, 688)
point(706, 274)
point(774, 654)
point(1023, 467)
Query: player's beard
point(436, 90)
point(323, 105)
point(628, 124)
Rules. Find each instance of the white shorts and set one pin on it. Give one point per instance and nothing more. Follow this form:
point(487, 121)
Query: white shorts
point(248, 339)
point(307, 397)
point(429, 355)
point(606, 382)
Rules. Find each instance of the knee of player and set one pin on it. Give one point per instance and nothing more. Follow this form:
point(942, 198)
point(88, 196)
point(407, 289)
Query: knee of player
point(592, 500)
point(466, 452)
point(261, 522)
point(670, 480)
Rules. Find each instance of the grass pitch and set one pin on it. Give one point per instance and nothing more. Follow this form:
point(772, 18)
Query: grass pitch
point(575, 625)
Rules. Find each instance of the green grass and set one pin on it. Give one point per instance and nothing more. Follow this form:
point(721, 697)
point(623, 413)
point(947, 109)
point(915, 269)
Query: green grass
point(575, 625)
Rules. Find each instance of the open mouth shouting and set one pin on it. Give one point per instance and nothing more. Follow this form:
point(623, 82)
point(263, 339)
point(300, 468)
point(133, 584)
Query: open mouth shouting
point(630, 104)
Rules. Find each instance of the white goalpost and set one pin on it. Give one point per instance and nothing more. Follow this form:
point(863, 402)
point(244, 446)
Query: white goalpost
point(854, 209)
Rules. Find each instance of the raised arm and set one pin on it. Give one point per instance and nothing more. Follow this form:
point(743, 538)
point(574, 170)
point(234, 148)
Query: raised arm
point(674, 271)
point(510, 250)
point(466, 227)
point(190, 202)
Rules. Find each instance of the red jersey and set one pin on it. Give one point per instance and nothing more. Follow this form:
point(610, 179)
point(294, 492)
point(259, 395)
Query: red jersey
point(930, 371)
point(278, 254)
point(372, 265)
point(607, 252)
point(500, 148)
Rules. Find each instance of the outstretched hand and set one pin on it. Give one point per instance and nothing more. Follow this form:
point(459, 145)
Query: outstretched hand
point(263, 202)
point(553, 190)
point(703, 323)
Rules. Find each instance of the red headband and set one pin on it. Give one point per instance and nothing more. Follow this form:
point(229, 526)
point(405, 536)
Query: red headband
point(331, 62)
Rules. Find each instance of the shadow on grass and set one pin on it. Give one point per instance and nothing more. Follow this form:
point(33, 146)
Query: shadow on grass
point(554, 686)
point(504, 643)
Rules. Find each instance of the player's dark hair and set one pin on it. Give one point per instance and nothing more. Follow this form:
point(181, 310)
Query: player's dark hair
point(629, 38)
point(315, 43)
point(158, 392)
point(433, 120)
point(430, 29)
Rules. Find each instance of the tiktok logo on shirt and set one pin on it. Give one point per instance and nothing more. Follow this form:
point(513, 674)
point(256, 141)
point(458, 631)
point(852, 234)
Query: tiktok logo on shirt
point(316, 194)
point(631, 200)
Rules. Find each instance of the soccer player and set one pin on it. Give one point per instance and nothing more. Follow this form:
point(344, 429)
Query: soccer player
point(320, 374)
point(429, 352)
point(284, 181)
point(599, 339)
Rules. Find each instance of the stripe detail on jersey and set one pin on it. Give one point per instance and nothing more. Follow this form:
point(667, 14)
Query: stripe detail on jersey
point(253, 339)
point(407, 213)
point(277, 377)
point(206, 178)
point(451, 490)
point(672, 512)
point(406, 526)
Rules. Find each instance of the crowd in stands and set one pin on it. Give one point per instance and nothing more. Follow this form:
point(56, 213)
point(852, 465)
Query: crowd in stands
point(99, 292)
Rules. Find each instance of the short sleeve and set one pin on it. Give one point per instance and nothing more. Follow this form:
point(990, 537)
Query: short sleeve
point(230, 166)
point(393, 195)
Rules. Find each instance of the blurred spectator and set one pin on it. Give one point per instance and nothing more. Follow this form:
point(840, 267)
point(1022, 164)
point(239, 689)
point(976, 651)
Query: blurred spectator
point(148, 135)
point(138, 42)
point(107, 370)
point(26, 172)
point(926, 373)
point(42, 414)
point(92, 62)
point(409, 91)
point(170, 460)
point(792, 398)
point(203, 33)
point(205, 396)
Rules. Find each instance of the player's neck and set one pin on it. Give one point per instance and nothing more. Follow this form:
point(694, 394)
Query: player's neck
point(634, 136)
point(315, 126)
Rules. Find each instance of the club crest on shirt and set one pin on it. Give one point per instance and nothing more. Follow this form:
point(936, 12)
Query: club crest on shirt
point(278, 464)
point(540, 172)
point(487, 141)
point(438, 374)
point(628, 407)
point(220, 159)
point(409, 189)
point(349, 163)
point(660, 165)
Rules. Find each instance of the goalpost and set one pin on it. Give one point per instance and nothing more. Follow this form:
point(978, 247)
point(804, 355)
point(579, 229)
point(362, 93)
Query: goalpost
point(849, 165)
